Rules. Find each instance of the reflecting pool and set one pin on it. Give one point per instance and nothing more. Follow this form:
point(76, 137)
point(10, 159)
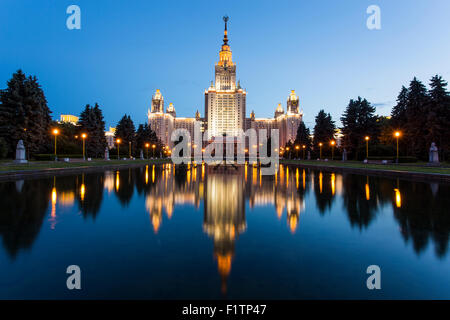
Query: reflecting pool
point(159, 233)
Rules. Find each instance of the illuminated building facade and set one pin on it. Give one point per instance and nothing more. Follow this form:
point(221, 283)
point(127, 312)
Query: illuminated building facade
point(68, 118)
point(225, 108)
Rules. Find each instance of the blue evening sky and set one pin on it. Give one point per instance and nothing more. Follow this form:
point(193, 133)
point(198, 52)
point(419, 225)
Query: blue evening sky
point(127, 49)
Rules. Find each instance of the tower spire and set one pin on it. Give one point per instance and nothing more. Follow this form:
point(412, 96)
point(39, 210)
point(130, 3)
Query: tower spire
point(225, 52)
point(225, 32)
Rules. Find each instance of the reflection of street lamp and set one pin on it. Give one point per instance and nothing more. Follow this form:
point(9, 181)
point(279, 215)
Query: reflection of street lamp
point(367, 146)
point(55, 133)
point(320, 146)
point(304, 148)
point(153, 147)
point(147, 145)
point(118, 148)
point(84, 136)
point(297, 148)
point(397, 134)
point(332, 149)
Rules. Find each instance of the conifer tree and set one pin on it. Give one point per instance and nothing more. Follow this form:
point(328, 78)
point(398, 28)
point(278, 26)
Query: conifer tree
point(438, 115)
point(24, 114)
point(91, 122)
point(303, 136)
point(324, 129)
point(398, 114)
point(415, 127)
point(358, 121)
point(125, 130)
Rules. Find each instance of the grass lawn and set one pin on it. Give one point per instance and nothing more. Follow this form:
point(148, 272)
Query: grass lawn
point(10, 166)
point(413, 167)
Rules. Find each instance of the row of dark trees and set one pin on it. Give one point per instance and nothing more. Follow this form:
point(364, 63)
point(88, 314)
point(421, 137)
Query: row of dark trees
point(137, 139)
point(25, 115)
point(422, 116)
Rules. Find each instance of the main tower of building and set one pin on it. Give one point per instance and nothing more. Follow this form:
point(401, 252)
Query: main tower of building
point(224, 99)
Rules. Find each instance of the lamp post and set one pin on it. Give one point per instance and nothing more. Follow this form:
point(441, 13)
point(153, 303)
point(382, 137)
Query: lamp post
point(320, 146)
point(397, 134)
point(297, 148)
point(84, 136)
point(303, 147)
point(289, 154)
point(367, 138)
point(332, 149)
point(147, 145)
point(118, 141)
point(153, 147)
point(129, 149)
point(55, 133)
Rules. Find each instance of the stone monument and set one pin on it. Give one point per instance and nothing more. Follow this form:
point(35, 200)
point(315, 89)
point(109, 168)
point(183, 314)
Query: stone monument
point(433, 155)
point(344, 155)
point(20, 153)
point(106, 153)
point(141, 155)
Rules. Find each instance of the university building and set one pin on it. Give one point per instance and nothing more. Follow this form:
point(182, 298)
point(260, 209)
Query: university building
point(225, 108)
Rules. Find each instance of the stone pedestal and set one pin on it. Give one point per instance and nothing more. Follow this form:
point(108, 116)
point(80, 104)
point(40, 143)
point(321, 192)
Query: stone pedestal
point(20, 153)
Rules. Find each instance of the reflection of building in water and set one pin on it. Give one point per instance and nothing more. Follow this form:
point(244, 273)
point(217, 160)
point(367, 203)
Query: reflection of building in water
point(283, 196)
point(224, 217)
point(109, 181)
point(224, 195)
point(167, 192)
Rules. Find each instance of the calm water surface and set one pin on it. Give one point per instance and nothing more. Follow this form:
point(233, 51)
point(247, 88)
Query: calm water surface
point(151, 232)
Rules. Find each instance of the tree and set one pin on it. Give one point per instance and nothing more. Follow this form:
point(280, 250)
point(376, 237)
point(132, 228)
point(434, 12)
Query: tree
point(91, 122)
point(438, 116)
point(303, 136)
point(415, 128)
point(324, 129)
point(24, 114)
point(145, 134)
point(358, 121)
point(398, 113)
point(125, 131)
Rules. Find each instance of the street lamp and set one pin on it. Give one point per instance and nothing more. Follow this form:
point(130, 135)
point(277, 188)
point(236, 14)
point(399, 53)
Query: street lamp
point(397, 134)
point(84, 136)
point(147, 145)
point(129, 148)
point(297, 148)
point(289, 154)
point(367, 138)
point(118, 141)
point(332, 142)
point(153, 147)
point(55, 133)
point(320, 146)
point(303, 147)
